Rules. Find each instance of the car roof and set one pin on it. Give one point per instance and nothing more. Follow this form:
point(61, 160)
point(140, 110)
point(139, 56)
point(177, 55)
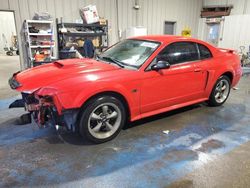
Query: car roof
point(167, 38)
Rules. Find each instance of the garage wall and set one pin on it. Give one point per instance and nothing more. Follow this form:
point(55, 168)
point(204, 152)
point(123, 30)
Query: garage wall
point(240, 6)
point(234, 28)
point(120, 13)
point(236, 32)
point(184, 12)
point(153, 14)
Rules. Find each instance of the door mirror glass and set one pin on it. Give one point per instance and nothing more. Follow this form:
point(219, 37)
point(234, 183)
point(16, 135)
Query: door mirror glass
point(160, 65)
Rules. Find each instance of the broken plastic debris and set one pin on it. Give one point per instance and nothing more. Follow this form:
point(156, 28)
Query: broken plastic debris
point(57, 127)
point(235, 88)
point(166, 131)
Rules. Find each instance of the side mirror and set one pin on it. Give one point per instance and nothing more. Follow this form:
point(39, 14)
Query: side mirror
point(160, 65)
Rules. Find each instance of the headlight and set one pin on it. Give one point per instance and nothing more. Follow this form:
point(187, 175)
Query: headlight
point(14, 83)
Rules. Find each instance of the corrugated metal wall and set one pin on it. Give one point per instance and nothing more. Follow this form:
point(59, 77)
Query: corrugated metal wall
point(152, 13)
point(240, 6)
point(184, 12)
point(236, 32)
point(235, 28)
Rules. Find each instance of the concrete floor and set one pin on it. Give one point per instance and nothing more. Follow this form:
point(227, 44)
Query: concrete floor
point(205, 147)
point(8, 66)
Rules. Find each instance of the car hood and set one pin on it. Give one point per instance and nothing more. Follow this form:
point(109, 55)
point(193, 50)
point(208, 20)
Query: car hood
point(45, 75)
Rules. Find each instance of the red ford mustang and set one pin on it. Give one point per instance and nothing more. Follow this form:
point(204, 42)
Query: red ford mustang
point(133, 79)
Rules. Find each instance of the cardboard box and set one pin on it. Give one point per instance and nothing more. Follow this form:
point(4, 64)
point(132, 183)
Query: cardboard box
point(89, 14)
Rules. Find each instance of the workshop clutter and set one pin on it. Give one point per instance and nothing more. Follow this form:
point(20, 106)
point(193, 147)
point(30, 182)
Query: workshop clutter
point(83, 30)
point(84, 38)
point(33, 29)
point(42, 16)
point(10, 49)
point(40, 37)
point(89, 14)
point(40, 41)
point(41, 55)
point(186, 32)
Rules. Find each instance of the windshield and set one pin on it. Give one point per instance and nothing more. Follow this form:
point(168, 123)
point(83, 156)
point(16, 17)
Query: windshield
point(130, 52)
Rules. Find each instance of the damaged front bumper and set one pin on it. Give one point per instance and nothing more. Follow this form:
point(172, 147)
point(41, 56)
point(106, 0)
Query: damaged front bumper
point(44, 107)
point(43, 110)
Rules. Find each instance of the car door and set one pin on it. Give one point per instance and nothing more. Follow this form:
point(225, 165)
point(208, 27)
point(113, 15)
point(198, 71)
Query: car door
point(180, 83)
point(202, 66)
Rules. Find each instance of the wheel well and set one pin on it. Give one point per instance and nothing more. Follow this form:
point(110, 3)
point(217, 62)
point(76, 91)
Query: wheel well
point(114, 94)
point(229, 75)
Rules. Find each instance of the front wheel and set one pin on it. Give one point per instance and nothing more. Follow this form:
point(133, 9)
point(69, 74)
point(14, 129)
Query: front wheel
point(102, 119)
point(220, 91)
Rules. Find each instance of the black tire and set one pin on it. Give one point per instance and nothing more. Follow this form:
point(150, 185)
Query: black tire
point(84, 125)
point(212, 99)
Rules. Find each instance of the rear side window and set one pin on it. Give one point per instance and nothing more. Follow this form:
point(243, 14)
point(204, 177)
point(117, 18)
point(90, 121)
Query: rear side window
point(204, 52)
point(179, 52)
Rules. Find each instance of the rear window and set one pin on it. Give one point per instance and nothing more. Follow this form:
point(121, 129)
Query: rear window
point(204, 52)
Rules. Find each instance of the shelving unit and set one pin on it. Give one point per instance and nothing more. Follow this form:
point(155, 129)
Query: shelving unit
point(81, 31)
point(79, 34)
point(42, 46)
point(40, 39)
point(39, 34)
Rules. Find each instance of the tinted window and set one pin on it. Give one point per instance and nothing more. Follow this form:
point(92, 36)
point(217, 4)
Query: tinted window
point(179, 52)
point(204, 52)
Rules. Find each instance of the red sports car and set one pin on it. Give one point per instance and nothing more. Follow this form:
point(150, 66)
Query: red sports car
point(136, 78)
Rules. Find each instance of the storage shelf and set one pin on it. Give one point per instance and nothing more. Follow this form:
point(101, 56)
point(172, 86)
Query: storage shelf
point(40, 21)
point(40, 34)
point(81, 25)
point(96, 32)
point(46, 28)
point(83, 34)
point(42, 46)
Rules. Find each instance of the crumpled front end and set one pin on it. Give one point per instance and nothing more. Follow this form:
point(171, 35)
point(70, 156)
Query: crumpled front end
point(44, 107)
point(41, 108)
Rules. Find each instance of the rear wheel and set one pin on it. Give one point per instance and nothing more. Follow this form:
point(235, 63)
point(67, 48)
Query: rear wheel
point(102, 119)
point(220, 91)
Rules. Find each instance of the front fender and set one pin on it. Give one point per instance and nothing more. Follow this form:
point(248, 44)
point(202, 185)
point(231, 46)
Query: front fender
point(129, 91)
point(76, 98)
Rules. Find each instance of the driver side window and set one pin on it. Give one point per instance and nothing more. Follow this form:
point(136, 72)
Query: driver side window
point(179, 52)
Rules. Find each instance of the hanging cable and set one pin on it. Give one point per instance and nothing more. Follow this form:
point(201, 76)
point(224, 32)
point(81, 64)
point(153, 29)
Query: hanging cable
point(117, 20)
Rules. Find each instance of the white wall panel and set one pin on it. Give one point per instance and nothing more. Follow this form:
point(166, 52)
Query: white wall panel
point(42, 5)
point(4, 4)
point(201, 29)
point(33, 7)
point(67, 16)
point(183, 12)
point(236, 32)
